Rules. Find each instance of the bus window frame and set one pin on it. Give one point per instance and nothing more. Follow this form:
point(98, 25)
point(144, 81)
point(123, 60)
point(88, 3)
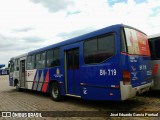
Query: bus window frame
point(123, 38)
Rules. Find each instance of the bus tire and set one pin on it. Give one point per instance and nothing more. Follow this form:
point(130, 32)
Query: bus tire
point(55, 91)
point(18, 87)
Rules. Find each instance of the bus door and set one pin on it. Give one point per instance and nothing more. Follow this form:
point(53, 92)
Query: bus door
point(72, 72)
point(22, 73)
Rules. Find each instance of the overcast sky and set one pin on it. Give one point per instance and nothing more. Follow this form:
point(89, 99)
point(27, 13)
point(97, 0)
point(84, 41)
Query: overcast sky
point(27, 25)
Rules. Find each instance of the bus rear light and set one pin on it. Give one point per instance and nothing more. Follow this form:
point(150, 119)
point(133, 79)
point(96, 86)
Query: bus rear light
point(126, 77)
point(155, 69)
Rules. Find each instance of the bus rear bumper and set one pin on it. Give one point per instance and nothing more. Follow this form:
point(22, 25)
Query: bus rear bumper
point(127, 91)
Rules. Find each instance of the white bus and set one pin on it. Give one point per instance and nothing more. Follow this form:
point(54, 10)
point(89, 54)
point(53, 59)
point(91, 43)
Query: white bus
point(17, 71)
point(154, 44)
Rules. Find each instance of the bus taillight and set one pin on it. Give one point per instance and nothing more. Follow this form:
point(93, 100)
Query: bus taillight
point(126, 77)
point(155, 69)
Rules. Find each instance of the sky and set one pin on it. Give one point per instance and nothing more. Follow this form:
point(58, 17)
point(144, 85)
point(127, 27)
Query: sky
point(26, 25)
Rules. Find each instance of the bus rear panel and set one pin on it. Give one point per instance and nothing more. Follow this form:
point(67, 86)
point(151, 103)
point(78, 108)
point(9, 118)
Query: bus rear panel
point(136, 67)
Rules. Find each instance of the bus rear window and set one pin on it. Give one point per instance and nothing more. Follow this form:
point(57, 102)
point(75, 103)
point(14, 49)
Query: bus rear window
point(137, 42)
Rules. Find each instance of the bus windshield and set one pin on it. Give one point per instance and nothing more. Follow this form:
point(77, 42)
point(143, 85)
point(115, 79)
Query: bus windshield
point(11, 66)
point(137, 42)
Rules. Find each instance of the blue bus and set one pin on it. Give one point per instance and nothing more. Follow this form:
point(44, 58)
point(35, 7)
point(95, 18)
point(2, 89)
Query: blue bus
point(107, 64)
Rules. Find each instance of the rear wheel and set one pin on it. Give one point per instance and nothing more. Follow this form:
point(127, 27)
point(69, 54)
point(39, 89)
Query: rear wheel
point(55, 92)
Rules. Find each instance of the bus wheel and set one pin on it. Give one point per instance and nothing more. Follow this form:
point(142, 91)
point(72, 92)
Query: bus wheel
point(55, 92)
point(18, 87)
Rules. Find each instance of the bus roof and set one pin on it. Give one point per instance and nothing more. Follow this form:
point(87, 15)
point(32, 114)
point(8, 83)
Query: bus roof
point(154, 36)
point(19, 56)
point(81, 38)
point(78, 39)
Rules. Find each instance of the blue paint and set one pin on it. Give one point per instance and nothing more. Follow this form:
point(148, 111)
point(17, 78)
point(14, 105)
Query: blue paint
point(138, 74)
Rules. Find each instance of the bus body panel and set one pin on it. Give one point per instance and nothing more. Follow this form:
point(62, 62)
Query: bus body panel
point(101, 81)
point(39, 79)
point(13, 76)
point(30, 76)
point(139, 67)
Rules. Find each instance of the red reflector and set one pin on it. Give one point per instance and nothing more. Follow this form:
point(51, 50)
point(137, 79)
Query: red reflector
point(126, 74)
point(126, 77)
point(155, 69)
point(116, 86)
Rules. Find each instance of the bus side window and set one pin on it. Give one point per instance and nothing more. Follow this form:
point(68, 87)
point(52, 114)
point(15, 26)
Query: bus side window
point(12, 66)
point(38, 60)
point(50, 58)
point(17, 68)
point(16, 65)
point(28, 62)
point(56, 57)
point(90, 48)
point(43, 59)
point(33, 62)
point(157, 48)
point(106, 47)
point(154, 44)
point(153, 55)
point(99, 49)
point(53, 57)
